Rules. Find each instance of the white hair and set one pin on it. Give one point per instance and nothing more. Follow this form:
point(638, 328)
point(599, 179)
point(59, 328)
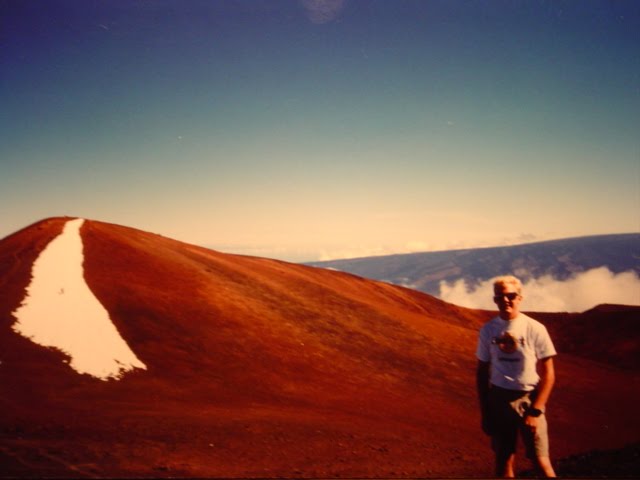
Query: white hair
point(508, 280)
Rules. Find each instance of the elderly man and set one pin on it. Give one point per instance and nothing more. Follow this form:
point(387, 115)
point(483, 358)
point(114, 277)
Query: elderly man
point(515, 377)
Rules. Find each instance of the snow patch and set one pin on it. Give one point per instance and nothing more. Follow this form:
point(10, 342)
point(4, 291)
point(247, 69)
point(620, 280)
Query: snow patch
point(60, 311)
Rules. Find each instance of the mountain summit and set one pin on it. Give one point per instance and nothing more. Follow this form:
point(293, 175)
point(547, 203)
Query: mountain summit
point(251, 367)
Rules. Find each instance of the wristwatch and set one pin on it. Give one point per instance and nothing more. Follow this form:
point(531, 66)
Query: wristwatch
point(534, 412)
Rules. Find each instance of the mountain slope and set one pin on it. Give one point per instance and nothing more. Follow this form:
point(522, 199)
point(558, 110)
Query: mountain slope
point(256, 367)
point(558, 258)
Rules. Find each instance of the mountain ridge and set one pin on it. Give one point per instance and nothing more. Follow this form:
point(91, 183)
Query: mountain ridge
point(262, 368)
point(491, 247)
point(560, 258)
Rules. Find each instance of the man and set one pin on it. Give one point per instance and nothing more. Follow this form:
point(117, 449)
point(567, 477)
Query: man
point(515, 377)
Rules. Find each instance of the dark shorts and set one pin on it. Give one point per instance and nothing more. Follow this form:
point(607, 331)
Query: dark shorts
point(506, 410)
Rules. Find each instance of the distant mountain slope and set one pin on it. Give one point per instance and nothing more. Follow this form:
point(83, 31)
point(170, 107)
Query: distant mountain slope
point(260, 368)
point(559, 258)
point(617, 344)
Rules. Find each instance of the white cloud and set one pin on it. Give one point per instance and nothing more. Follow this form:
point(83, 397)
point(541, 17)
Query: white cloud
point(417, 246)
point(322, 11)
point(403, 282)
point(546, 294)
point(355, 252)
point(361, 251)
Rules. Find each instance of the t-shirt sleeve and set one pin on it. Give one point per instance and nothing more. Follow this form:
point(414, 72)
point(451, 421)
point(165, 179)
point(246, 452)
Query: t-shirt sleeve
point(482, 352)
point(544, 345)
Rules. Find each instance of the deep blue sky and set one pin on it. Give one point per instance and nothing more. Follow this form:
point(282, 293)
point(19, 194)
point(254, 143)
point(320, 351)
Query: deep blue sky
point(302, 129)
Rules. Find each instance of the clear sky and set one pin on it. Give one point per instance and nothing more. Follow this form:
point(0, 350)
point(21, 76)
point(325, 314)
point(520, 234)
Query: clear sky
point(310, 129)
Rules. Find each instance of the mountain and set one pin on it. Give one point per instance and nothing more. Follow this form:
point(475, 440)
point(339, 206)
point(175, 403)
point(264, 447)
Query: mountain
point(558, 258)
point(251, 367)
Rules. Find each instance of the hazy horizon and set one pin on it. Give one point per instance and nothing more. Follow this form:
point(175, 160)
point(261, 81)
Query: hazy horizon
point(308, 130)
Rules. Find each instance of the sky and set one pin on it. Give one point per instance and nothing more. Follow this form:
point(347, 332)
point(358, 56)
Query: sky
point(320, 129)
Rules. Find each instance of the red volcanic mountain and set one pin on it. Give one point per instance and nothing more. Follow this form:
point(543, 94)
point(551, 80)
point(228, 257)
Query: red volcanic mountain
point(260, 368)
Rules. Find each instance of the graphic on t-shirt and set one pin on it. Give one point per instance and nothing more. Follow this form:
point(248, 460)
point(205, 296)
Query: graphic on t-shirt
point(507, 343)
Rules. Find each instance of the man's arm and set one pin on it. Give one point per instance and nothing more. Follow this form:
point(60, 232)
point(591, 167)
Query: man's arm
point(547, 379)
point(482, 383)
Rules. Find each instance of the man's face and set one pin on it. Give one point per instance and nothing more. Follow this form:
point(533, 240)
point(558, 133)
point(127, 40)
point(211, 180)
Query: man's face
point(508, 300)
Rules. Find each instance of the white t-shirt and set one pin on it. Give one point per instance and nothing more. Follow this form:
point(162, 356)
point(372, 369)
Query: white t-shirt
point(513, 347)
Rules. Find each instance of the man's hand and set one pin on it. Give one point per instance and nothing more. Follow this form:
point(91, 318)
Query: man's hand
point(531, 423)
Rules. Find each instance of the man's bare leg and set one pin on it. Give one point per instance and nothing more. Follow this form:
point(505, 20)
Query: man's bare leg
point(545, 467)
point(505, 466)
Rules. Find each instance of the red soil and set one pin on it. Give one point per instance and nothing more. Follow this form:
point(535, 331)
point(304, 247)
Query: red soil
point(262, 368)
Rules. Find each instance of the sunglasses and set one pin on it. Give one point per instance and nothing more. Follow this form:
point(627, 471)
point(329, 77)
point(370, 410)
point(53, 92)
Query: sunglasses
point(510, 296)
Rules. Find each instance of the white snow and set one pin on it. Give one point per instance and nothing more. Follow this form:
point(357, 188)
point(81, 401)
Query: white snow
point(60, 311)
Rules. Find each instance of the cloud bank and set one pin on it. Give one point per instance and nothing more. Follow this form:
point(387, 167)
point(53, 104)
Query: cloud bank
point(546, 294)
point(322, 11)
